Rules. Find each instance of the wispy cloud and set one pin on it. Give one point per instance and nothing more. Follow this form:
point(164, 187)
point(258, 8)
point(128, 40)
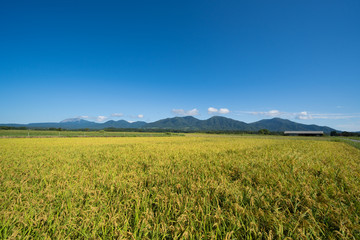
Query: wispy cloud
point(212, 110)
point(349, 127)
point(304, 115)
point(101, 118)
point(182, 112)
point(271, 113)
point(117, 115)
point(136, 116)
point(97, 119)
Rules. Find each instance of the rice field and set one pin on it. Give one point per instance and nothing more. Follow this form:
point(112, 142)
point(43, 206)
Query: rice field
point(101, 133)
point(178, 188)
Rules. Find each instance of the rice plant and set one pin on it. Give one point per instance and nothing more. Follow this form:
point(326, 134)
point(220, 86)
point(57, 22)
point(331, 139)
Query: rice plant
point(178, 188)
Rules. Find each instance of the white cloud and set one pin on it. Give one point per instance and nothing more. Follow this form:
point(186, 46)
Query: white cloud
point(274, 113)
point(101, 118)
point(182, 112)
point(271, 113)
point(140, 116)
point(193, 112)
point(117, 115)
point(224, 111)
point(303, 116)
point(212, 110)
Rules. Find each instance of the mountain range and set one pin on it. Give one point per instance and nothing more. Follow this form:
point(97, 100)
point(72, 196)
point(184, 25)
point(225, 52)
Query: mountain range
point(188, 123)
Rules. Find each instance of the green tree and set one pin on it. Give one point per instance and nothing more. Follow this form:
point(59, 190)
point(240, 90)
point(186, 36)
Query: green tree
point(264, 132)
point(333, 133)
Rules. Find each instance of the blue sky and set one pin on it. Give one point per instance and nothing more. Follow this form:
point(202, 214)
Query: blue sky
point(147, 60)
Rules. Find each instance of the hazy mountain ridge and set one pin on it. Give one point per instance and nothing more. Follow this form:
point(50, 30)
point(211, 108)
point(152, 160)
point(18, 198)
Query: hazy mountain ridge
point(81, 124)
point(188, 123)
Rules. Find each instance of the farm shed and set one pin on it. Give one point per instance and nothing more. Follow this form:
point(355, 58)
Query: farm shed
point(304, 133)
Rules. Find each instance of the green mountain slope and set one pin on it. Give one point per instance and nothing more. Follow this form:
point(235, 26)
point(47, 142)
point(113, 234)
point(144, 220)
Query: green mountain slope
point(188, 123)
point(280, 125)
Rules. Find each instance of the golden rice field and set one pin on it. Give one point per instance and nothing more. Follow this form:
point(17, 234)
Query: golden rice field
point(178, 188)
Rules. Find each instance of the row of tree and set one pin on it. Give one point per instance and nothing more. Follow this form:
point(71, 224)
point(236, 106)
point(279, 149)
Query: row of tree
point(261, 131)
point(345, 134)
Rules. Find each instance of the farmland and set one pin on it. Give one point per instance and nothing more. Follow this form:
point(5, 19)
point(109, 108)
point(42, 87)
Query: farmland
point(211, 187)
point(101, 133)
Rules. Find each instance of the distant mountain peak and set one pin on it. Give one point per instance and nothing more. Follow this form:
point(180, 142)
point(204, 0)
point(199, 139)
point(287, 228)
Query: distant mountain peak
point(219, 117)
point(71, 120)
point(186, 117)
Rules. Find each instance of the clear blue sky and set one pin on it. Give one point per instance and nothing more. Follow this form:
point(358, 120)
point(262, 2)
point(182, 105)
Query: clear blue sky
point(298, 60)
